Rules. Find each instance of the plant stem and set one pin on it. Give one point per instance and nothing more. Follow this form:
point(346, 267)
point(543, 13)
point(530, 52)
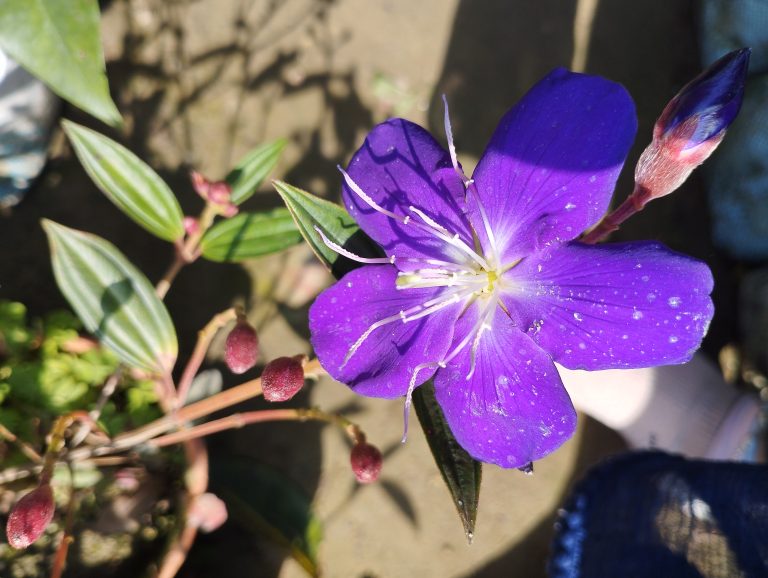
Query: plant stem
point(25, 448)
point(202, 408)
point(238, 420)
point(204, 338)
point(611, 222)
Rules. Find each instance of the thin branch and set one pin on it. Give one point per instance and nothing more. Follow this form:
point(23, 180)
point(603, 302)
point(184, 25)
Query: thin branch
point(204, 338)
point(23, 446)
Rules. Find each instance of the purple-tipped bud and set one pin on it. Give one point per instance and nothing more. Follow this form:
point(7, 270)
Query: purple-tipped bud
point(282, 378)
point(366, 462)
point(242, 348)
point(712, 100)
point(30, 517)
point(691, 127)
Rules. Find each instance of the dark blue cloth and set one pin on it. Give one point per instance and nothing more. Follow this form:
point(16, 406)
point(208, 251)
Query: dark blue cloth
point(655, 515)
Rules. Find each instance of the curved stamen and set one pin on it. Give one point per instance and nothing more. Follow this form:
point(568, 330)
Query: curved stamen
point(409, 396)
point(349, 255)
point(469, 184)
point(406, 316)
point(480, 326)
point(454, 241)
point(451, 146)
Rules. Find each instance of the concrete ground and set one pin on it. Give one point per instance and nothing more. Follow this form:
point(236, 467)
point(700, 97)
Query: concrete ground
point(200, 82)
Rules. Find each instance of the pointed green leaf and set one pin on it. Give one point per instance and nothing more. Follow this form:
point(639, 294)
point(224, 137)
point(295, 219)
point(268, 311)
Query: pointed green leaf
point(265, 501)
point(310, 211)
point(60, 43)
point(462, 473)
point(249, 235)
point(113, 299)
point(128, 181)
point(252, 169)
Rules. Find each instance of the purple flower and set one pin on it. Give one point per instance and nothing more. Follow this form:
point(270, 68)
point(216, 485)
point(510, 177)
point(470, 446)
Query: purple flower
point(484, 285)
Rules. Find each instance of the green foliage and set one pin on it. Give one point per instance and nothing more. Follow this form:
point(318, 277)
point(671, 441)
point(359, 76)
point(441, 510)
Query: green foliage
point(59, 42)
point(252, 169)
point(128, 182)
point(249, 235)
point(44, 375)
point(114, 300)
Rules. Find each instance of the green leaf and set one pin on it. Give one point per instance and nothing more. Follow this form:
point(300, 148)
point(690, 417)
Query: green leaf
point(113, 299)
point(128, 181)
point(249, 235)
point(252, 169)
point(60, 43)
point(309, 211)
point(265, 501)
point(462, 473)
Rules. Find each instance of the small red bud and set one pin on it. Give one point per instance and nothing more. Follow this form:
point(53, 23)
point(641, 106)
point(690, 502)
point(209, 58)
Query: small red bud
point(366, 462)
point(30, 517)
point(282, 378)
point(242, 348)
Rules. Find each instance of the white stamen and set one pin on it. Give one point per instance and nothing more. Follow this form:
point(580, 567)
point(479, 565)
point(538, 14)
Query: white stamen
point(342, 251)
point(473, 335)
point(472, 188)
point(409, 396)
point(451, 146)
point(428, 220)
point(454, 241)
point(405, 316)
point(368, 200)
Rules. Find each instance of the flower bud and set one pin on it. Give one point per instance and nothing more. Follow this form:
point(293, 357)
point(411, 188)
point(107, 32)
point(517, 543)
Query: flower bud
point(217, 192)
point(30, 517)
point(242, 348)
point(191, 226)
point(207, 512)
point(366, 462)
point(691, 126)
point(282, 378)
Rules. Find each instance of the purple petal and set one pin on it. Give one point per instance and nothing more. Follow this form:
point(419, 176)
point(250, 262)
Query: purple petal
point(550, 169)
point(384, 363)
point(612, 306)
point(401, 165)
point(514, 409)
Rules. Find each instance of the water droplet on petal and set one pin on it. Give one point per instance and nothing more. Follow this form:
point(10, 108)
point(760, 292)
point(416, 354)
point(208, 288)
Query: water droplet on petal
point(578, 316)
point(637, 315)
point(674, 301)
point(673, 339)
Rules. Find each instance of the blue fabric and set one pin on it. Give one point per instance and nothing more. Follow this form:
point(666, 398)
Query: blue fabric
point(655, 515)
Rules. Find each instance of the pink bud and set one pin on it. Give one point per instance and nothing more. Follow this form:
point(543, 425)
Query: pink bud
point(30, 517)
point(191, 225)
point(207, 512)
point(219, 193)
point(282, 378)
point(366, 462)
point(242, 348)
point(201, 185)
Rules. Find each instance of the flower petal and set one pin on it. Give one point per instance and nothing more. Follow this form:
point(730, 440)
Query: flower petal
point(401, 165)
point(551, 166)
point(383, 365)
point(612, 306)
point(514, 409)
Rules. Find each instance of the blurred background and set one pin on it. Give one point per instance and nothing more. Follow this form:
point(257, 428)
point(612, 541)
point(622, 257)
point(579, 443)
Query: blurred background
point(201, 82)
